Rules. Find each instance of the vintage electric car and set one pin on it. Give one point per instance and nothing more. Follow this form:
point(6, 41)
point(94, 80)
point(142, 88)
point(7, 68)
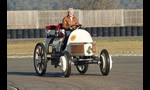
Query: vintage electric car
point(79, 50)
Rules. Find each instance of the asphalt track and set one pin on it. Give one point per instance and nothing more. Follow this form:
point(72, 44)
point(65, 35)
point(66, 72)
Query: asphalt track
point(126, 74)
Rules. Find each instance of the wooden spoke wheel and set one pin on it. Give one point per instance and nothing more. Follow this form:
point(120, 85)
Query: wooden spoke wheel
point(40, 59)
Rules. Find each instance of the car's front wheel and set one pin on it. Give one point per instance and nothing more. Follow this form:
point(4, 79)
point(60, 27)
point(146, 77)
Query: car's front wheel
point(105, 62)
point(82, 68)
point(65, 64)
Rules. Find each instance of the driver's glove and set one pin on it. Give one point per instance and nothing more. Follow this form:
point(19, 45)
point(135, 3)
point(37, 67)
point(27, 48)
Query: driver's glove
point(70, 28)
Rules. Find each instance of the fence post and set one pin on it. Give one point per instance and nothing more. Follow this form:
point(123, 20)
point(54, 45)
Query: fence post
point(37, 19)
point(80, 16)
point(122, 17)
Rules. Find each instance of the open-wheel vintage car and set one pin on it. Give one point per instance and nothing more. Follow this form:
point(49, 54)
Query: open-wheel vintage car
point(79, 50)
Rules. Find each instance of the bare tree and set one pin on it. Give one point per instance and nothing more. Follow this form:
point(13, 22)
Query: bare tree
point(99, 4)
point(115, 4)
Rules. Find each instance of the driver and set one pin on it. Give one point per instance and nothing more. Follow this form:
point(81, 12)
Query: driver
point(68, 21)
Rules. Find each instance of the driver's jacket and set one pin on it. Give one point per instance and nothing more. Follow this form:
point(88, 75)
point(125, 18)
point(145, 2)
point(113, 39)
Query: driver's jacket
point(67, 22)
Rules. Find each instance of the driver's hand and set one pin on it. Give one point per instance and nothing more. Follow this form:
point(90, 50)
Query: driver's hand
point(70, 28)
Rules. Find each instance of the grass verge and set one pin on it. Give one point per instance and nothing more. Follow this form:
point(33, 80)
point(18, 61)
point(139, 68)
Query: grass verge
point(115, 46)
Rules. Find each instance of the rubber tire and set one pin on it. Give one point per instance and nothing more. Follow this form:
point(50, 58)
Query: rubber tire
point(45, 59)
point(68, 71)
point(85, 69)
point(107, 61)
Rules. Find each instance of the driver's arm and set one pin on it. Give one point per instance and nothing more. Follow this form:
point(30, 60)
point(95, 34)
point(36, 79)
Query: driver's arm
point(65, 23)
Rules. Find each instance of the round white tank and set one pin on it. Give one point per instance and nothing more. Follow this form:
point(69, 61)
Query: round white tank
point(81, 36)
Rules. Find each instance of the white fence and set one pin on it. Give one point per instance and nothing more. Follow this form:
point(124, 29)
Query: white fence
point(88, 18)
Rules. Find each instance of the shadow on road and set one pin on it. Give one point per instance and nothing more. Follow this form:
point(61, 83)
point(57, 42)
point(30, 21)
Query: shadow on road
point(87, 75)
point(53, 74)
point(22, 73)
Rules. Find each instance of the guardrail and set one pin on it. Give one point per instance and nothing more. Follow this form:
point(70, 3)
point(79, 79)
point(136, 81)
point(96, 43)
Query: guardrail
point(94, 31)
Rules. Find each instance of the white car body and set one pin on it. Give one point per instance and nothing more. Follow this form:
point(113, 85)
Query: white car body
point(82, 37)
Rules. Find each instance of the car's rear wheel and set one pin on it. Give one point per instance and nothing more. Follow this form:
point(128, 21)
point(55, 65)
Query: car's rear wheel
point(40, 59)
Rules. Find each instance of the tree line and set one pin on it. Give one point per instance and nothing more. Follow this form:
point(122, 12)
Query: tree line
point(77, 4)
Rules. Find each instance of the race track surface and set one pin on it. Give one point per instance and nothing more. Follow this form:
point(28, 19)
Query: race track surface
point(126, 74)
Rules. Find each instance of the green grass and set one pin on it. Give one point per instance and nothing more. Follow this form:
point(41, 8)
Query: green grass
point(115, 46)
point(123, 46)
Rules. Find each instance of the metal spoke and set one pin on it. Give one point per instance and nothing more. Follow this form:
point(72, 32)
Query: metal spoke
point(38, 65)
point(42, 54)
point(39, 51)
point(42, 61)
point(37, 61)
point(40, 68)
